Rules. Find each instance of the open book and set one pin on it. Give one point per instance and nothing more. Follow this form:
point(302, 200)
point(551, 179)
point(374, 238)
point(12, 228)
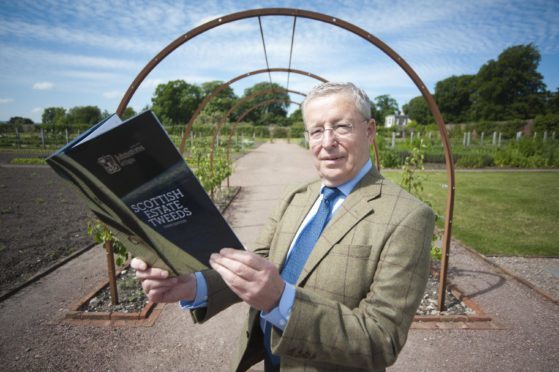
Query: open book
point(136, 182)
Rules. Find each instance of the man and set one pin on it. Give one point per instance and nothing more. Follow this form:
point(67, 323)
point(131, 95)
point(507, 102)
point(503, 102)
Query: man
point(339, 269)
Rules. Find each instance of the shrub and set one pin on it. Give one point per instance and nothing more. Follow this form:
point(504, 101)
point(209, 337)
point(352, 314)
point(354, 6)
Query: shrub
point(475, 161)
point(549, 122)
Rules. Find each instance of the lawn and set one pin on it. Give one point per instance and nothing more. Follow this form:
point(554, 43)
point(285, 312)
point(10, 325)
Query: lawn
point(499, 213)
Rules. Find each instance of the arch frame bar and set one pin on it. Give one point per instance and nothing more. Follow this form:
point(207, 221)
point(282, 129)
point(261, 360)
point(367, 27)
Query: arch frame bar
point(371, 39)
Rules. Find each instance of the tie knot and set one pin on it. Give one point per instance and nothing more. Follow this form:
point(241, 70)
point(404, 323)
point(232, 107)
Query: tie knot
point(329, 193)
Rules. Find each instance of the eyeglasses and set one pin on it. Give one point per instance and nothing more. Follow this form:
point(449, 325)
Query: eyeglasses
point(342, 130)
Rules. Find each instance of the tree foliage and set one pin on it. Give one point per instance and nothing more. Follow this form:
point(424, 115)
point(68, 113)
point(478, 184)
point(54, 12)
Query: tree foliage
point(18, 120)
point(128, 113)
point(509, 87)
point(175, 101)
point(54, 116)
point(453, 97)
point(273, 113)
point(222, 102)
point(296, 116)
point(83, 115)
point(418, 110)
point(384, 106)
point(553, 102)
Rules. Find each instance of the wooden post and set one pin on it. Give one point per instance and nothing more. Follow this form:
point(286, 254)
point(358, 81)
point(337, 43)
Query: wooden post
point(393, 144)
point(17, 138)
point(494, 140)
point(66, 133)
point(43, 137)
point(108, 245)
point(545, 136)
point(499, 140)
point(481, 139)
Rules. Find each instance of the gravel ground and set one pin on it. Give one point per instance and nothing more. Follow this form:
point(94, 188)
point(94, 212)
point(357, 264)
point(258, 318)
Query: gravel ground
point(541, 272)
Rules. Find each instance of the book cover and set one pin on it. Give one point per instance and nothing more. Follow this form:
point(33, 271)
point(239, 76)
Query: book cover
point(136, 182)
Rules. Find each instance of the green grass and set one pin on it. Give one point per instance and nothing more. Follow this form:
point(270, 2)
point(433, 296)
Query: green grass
point(499, 213)
point(33, 161)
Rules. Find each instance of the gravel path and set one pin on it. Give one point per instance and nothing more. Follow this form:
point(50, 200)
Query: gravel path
point(541, 272)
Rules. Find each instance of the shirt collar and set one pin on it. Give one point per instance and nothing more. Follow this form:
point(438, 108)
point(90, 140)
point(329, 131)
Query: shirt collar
point(347, 187)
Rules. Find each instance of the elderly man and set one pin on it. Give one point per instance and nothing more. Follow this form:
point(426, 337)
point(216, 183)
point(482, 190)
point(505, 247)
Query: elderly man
point(339, 269)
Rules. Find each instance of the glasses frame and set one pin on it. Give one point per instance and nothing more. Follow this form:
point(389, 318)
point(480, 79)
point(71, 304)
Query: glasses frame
point(337, 136)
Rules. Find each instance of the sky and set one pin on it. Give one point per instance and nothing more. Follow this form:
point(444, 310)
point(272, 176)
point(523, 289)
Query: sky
point(56, 53)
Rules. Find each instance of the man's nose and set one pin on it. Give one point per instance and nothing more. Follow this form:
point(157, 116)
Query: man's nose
point(328, 138)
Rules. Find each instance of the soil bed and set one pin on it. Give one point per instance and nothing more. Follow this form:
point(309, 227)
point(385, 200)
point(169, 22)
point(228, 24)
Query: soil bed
point(42, 220)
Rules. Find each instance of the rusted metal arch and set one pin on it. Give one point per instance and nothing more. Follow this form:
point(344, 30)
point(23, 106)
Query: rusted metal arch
point(221, 87)
point(366, 36)
point(236, 106)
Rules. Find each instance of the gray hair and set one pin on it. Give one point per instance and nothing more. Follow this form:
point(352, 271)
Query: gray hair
point(357, 95)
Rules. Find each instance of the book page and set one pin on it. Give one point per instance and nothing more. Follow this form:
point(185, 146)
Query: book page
point(112, 122)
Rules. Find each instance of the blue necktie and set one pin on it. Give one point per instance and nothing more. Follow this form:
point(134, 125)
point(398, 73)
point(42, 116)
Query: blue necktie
point(301, 251)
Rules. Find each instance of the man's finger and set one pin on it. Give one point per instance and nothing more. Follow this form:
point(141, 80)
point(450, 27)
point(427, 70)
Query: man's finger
point(152, 273)
point(151, 284)
point(238, 268)
point(138, 264)
point(248, 258)
point(237, 283)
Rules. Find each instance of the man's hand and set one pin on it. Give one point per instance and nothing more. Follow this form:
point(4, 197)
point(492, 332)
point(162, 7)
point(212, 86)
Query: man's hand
point(158, 287)
point(253, 278)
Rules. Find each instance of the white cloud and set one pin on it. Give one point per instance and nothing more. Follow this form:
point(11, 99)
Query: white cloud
point(37, 56)
point(6, 100)
point(37, 110)
point(43, 85)
point(113, 94)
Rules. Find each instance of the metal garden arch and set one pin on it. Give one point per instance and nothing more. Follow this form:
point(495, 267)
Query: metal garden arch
point(366, 36)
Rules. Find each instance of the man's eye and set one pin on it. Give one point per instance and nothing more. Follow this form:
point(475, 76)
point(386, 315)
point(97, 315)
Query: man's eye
point(316, 131)
point(342, 128)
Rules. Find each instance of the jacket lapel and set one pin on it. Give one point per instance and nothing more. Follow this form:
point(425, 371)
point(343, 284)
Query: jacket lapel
point(297, 211)
point(355, 207)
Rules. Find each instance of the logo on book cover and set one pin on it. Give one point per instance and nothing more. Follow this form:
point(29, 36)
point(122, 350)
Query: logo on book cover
point(109, 164)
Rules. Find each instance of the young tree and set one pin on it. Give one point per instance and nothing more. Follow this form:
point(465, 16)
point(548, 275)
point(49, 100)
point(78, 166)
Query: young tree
point(176, 101)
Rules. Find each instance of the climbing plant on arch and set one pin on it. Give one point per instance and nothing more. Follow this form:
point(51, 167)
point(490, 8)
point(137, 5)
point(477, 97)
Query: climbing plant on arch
point(362, 34)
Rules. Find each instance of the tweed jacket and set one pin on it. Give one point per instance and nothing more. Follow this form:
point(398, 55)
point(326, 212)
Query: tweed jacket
point(359, 288)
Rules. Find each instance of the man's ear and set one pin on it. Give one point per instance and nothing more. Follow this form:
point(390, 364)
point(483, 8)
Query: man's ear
point(371, 129)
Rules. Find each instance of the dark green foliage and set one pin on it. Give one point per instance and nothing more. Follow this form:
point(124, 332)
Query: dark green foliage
point(18, 120)
point(453, 97)
point(474, 161)
point(175, 102)
point(549, 122)
point(128, 113)
point(83, 115)
point(222, 102)
point(268, 114)
point(418, 110)
point(510, 87)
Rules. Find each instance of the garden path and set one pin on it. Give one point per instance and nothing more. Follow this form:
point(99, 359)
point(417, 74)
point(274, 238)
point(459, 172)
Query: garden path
point(33, 338)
